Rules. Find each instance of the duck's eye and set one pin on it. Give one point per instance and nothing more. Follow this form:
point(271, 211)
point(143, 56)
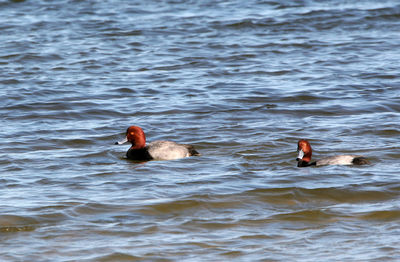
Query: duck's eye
point(132, 133)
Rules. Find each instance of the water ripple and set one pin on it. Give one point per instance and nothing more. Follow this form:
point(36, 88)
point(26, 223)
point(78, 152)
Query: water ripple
point(240, 80)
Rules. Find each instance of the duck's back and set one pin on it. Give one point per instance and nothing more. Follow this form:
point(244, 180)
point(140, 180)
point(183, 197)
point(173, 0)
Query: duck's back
point(343, 160)
point(168, 150)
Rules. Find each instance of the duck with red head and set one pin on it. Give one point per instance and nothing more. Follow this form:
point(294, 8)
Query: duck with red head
point(304, 153)
point(304, 157)
point(157, 150)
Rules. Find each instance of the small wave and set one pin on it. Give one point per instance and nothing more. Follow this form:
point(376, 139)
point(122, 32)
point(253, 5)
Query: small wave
point(385, 215)
point(333, 195)
point(118, 256)
point(306, 216)
point(12, 223)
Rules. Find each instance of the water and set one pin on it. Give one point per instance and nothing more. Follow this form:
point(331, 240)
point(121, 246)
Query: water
point(240, 80)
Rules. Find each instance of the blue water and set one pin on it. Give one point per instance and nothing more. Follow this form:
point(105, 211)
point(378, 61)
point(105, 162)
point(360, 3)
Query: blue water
point(240, 80)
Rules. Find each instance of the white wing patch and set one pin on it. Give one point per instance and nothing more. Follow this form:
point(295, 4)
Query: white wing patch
point(337, 160)
point(167, 150)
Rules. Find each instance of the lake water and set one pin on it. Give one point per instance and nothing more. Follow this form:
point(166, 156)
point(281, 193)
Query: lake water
point(240, 80)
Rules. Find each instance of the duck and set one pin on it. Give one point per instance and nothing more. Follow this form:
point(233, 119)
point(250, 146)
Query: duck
point(157, 150)
point(304, 157)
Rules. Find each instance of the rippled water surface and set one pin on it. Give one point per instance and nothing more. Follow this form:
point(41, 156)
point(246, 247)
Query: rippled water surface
point(240, 80)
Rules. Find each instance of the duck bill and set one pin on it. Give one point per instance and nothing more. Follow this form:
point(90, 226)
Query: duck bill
point(122, 141)
point(300, 155)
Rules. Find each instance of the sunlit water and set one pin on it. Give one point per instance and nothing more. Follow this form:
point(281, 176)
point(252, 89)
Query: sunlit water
point(240, 80)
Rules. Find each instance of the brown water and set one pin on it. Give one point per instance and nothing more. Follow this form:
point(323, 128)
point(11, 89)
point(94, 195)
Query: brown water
point(240, 80)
